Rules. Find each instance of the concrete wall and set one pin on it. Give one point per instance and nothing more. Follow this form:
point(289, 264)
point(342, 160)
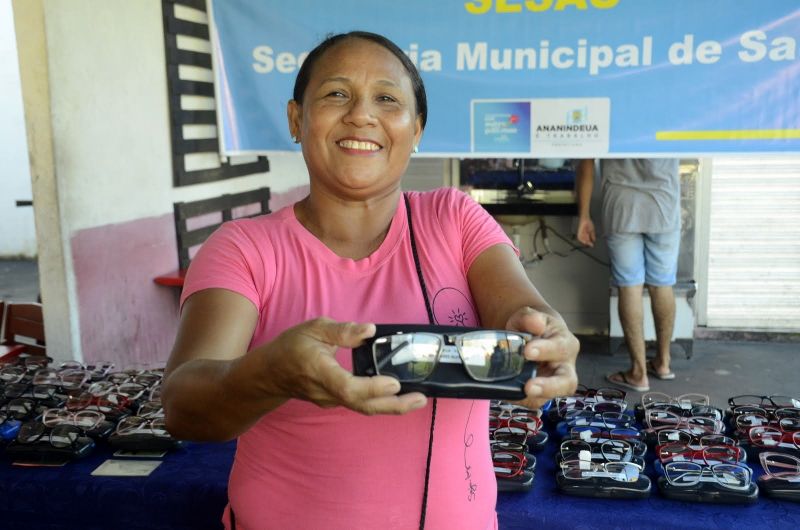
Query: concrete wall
point(96, 78)
point(17, 229)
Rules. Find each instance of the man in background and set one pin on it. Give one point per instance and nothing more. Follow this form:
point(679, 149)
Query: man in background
point(641, 221)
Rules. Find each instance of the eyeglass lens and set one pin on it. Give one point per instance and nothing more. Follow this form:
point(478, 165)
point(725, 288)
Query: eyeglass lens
point(485, 355)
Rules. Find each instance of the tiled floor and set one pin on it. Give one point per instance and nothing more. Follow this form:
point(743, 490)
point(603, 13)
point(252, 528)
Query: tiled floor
point(718, 368)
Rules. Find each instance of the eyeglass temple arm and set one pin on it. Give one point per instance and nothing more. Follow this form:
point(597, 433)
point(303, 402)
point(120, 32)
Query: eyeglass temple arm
point(383, 362)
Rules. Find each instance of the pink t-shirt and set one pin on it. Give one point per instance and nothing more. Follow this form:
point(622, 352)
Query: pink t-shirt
point(302, 466)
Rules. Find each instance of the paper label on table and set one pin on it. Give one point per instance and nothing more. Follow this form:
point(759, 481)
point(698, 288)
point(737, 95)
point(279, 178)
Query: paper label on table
point(126, 468)
point(140, 454)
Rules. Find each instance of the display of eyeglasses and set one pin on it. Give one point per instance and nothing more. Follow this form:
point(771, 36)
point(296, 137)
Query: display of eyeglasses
point(54, 414)
point(594, 442)
point(515, 432)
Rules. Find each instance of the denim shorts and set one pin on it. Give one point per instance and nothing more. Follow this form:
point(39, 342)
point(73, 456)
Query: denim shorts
point(638, 259)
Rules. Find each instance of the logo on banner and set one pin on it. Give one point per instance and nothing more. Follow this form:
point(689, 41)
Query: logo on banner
point(500, 126)
point(570, 124)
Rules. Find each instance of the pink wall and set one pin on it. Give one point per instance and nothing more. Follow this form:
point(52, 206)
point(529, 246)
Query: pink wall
point(124, 316)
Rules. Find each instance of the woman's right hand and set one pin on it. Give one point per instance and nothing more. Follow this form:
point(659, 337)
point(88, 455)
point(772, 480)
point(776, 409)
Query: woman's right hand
point(300, 364)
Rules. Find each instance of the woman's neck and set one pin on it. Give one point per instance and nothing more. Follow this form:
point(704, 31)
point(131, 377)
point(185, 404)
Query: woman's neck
point(350, 228)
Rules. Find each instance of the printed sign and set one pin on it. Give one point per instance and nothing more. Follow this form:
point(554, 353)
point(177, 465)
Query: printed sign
point(648, 77)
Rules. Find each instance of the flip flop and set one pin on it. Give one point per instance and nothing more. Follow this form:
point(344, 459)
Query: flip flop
point(651, 370)
point(623, 381)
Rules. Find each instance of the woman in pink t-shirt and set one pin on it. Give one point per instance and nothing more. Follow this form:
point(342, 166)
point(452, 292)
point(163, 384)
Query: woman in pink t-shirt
point(272, 306)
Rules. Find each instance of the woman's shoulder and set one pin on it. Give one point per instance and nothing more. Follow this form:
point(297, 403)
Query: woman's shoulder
point(440, 198)
point(260, 225)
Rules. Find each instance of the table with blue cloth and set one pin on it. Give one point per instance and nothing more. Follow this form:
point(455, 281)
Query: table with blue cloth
point(188, 491)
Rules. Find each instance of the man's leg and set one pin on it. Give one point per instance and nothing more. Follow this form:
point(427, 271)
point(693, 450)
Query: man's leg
point(661, 258)
point(632, 320)
point(626, 253)
point(662, 301)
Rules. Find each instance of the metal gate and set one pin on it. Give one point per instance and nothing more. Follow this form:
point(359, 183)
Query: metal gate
point(754, 244)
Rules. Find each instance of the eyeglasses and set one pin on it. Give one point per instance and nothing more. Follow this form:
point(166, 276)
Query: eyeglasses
point(507, 447)
point(501, 409)
point(609, 451)
point(744, 422)
point(137, 425)
point(68, 379)
point(151, 409)
point(37, 392)
point(785, 412)
point(12, 373)
point(100, 369)
point(60, 436)
point(565, 404)
point(35, 362)
point(609, 420)
point(600, 394)
point(487, 355)
point(662, 419)
point(688, 474)
point(133, 391)
point(19, 408)
point(107, 403)
point(583, 469)
point(710, 455)
point(773, 438)
point(155, 392)
point(508, 464)
point(517, 435)
point(777, 402)
point(596, 434)
point(685, 401)
point(679, 436)
point(781, 466)
point(86, 420)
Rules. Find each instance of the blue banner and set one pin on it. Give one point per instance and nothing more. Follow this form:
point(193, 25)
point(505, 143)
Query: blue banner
point(539, 78)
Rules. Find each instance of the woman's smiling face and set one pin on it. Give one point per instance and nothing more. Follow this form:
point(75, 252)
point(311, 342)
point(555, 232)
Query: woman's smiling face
point(358, 120)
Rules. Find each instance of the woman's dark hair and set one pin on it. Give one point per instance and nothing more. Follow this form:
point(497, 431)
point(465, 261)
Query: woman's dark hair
point(303, 76)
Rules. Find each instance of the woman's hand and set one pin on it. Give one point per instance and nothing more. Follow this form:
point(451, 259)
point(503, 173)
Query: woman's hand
point(301, 365)
point(554, 349)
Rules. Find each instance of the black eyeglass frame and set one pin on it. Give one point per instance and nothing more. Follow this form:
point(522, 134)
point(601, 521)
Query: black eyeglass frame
point(447, 379)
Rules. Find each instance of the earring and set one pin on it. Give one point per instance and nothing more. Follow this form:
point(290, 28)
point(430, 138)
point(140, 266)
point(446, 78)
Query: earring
point(294, 139)
point(416, 149)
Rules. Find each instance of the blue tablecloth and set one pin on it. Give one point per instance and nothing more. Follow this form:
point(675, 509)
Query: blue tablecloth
point(545, 507)
point(188, 491)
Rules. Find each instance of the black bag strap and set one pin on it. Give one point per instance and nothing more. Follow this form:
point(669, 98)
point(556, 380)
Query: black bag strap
point(431, 320)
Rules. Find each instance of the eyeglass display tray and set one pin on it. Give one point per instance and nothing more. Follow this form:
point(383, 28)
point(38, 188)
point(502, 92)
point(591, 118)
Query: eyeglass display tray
point(708, 492)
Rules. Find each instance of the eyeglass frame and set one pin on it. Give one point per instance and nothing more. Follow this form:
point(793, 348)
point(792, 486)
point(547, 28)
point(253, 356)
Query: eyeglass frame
point(597, 467)
point(793, 477)
point(446, 338)
point(770, 399)
point(702, 454)
point(706, 470)
point(48, 432)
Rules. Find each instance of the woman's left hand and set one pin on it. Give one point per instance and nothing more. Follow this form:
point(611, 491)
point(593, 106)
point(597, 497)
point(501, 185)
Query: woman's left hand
point(554, 348)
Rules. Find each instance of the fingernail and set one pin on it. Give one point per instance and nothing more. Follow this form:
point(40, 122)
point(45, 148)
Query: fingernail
point(419, 402)
point(536, 390)
point(392, 387)
point(534, 353)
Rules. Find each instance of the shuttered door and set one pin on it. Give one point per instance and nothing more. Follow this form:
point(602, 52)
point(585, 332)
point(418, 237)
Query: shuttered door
point(754, 244)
